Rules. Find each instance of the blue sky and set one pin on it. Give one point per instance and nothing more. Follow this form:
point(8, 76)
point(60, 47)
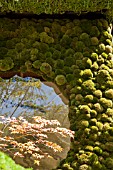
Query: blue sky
point(9, 104)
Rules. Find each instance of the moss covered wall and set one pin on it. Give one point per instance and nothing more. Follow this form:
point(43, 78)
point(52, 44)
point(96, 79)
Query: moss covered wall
point(77, 56)
point(57, 6)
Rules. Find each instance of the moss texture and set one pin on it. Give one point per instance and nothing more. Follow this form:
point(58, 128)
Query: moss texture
point(79, 61)
point(58, 7)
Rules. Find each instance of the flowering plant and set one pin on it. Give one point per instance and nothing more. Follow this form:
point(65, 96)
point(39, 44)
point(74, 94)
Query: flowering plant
point(20, 137)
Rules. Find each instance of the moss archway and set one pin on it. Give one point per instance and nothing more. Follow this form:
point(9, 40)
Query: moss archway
point(77, 56)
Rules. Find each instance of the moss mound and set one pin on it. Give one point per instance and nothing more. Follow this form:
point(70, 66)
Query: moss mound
point(77, 56)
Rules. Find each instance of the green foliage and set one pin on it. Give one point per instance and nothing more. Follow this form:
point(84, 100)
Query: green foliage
point(7, 163)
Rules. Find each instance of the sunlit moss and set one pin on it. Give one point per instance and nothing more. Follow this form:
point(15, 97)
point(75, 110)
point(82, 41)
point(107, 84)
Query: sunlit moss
point(87, 74)
point(106, 103)
point(88, 85)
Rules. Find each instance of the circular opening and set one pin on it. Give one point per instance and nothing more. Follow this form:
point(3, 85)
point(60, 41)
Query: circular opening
point(28, 97)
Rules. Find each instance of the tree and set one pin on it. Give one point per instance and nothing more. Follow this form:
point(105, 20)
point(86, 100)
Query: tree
point(30, 135)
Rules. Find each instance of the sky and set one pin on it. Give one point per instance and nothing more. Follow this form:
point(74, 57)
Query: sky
point(42, 97)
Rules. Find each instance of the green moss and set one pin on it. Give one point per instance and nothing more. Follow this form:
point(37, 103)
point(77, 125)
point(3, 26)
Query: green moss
point(94, 66)
point(70, 77)
point(94, 129)
point(98, 93)
point(79, 97)
point(88, 85)
point(109, 112)
point(101, 47)
point(109, 163)
point(60, 80)
point(69, 52)
point(84, 109)
point(108, 49)
point(28, 65)
point(94, 41)
point(59, 63)
point(85, 38)
point(93, 121)
point(94, 32)
point(104, 55)
point(106, 103)
point(23, 69)
point(80, 46)
point(85, 167)
point(99, 125)
point(89, 98)
point(19, 47)
point(84, 123)
point(89, 148)
point(69, 61)
point(94, 56)
point(103, 76)
point(109, 93)
point(45, 38)
point(45, 68)
point(98, 107)
point(65, 41)
point(106, 126)
point(36, 64)
point(6, 64)
point(87, 131)
point(78, 55)
point(56, 54)
point(93, 113)
point(87, 62)
point(87, 74)
point(109, 146)
point(43, 47)
point(107, 35)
